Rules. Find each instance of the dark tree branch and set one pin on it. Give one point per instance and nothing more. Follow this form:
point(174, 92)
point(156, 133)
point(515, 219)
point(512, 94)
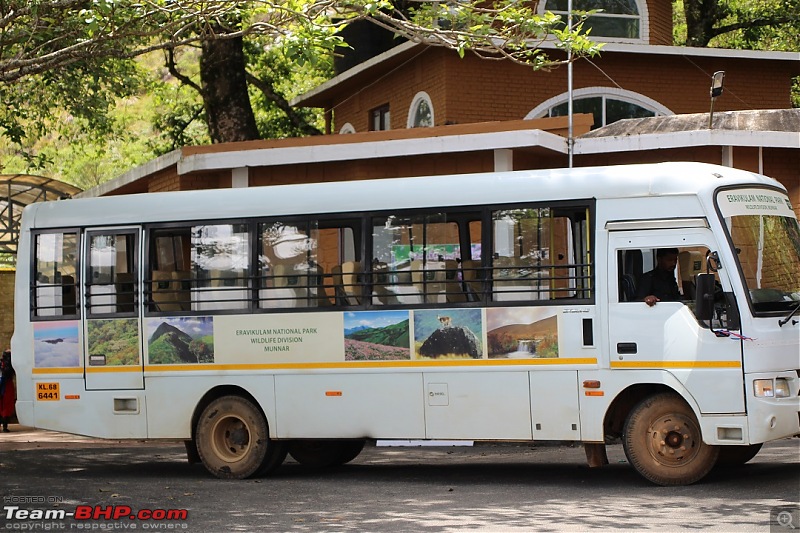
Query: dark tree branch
point(754, 23)
point(173, 69)
point(266, 87)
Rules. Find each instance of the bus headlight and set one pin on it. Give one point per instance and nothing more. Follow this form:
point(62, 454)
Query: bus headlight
point(768, 388)
point(781, 388)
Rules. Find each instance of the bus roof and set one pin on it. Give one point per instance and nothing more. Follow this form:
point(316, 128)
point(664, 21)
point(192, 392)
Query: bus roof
point(621, 181)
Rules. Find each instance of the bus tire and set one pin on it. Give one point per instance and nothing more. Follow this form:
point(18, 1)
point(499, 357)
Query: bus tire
point(663, 441)
point(350, 450)
point(325, 453)
point(737, 455)
point(233, 439)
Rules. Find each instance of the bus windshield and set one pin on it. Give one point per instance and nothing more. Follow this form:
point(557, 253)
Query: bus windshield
point(765, 234)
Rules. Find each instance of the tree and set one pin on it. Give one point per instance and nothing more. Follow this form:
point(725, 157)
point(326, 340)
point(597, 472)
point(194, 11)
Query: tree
point(708, 19)
point(72, 42)
point(740, 24)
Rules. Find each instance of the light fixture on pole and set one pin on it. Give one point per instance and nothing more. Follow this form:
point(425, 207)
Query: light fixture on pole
point(716, 90)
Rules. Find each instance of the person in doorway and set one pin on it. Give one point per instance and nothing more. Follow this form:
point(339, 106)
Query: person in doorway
point(8, 392)
point(659, 284)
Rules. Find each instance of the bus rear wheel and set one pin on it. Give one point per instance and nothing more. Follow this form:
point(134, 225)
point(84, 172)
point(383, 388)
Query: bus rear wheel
point(663, 442)
point(233, 440)
point(322, 453)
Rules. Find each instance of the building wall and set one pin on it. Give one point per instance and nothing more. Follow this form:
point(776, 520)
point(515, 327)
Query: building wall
point(473, 90)
point(7, 303)
point(660, 18)
point(782, 164)
point(389, 167)
point(397, 88)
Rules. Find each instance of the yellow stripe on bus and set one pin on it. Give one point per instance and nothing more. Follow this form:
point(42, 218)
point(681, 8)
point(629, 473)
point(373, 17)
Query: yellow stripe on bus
point(58, 370)
point(373, 364)
point(91, 370)
point(676, 364)
point(109, 369)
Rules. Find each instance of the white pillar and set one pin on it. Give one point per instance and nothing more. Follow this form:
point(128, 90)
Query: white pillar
point(240, 177)
point(503, 159)
point(727, 156)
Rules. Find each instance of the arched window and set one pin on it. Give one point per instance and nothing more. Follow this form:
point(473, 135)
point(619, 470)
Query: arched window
point(420, 114)
point(347, 128)
point(619, 20)
point(607, 104)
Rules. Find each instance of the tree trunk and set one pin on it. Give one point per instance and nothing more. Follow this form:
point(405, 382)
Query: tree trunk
point(229, 113)
point(701, 16)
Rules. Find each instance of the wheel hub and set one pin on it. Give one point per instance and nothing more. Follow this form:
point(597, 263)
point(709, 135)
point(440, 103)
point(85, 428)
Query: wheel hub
point(674, 439)
point(231, 439)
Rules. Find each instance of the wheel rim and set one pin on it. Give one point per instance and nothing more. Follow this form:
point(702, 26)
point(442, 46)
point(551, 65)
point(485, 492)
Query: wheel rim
point(673, 440)
point(230, 439)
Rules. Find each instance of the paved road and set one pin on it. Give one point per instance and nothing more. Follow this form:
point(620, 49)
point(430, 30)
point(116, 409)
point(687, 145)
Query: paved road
point(506, 488)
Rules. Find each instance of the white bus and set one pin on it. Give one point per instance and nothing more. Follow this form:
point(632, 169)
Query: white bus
point(309, 319)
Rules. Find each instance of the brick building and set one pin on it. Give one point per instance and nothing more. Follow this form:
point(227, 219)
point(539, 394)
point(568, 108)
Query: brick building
point(414, 110)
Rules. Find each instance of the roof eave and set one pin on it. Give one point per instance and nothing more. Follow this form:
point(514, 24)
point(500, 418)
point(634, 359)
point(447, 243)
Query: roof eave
point(684, 139)
point(374, 149)
point(148, 169)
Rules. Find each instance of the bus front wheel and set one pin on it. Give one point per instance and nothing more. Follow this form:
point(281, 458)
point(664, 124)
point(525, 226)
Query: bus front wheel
point(320, 453)
point(233, 440)
point(737, 455)
point(663, 441)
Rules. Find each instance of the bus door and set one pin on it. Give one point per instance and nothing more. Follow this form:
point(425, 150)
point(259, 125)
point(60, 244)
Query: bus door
point(667, 335)
point(111, 309)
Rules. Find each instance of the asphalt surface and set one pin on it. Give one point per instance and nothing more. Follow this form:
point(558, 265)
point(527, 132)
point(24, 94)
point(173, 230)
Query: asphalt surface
point(489, 487)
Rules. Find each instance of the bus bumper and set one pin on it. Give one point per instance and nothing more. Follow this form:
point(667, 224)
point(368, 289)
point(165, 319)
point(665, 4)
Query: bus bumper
point(771, 417)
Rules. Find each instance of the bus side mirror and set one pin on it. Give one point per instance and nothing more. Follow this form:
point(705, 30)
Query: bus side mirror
point(704, 299)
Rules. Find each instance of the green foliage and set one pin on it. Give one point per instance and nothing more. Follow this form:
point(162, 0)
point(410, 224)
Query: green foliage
point(506, 29)
point(66, 66)
point(118, 340)
point(288, 78)
point(394, 335)
point(162, 352)
point(70, 150)
point(166, 350)
point(203, 349)
point(175, 109)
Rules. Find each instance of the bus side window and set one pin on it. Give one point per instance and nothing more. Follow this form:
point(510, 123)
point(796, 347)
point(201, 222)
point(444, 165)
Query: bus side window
point(337, 244)
point(470, 270)
point(287, 262)
point(111, 273)
point(54, 291)
point(540, 253)
point(220, 266)
point(637, 266)
point(690, 264)
point(631, 267)
point(415, 260)
point(168, 284)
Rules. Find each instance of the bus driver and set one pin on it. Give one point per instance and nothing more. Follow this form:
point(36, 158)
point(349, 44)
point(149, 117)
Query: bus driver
point(660, 284)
